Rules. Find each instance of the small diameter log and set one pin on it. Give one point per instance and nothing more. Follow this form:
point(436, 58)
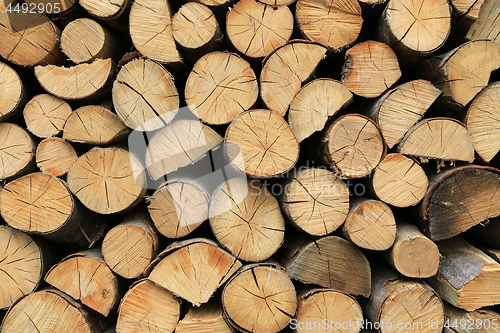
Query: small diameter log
point(131, 246)
point(84, 81)
point(94, 125)
point(39, 47)
point(370, 225)
point(45, 115)
point(147, 307)
point(314, 104)
point(178, 208)
point(479, 321)
point(487, 24)
point(315, 201)
point(84, 40)
point(85, 276)
point(41, 204)
point(13, 95)
point(107, 180)
point(207, 318)
point(487, 233)
point(256, 29)
point(193, 269)
point(397, 110)
point(414, 29)
point(284, 71)
point(55, 156)
point(246, 219)
point(259, 298)
point(482, 120)
point(439, 138)
point(333, 24)
point(413, 255)
point(50, 310)
point(220, 87)
point(330, 262)
point(462, 72)
point(17, 151)
point(198, 18)
point(112, 13)
point(395, 299)
point(370, 68)
point(467, 278)
point(144, 95)
point(399, 181)
point(261, 143)
point(454, 202)
point(353, 145)
point(151, 31)
point(320, 308)
point(178, 145)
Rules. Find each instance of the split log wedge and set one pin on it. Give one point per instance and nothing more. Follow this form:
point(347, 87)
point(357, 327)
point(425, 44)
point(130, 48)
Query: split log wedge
point(207, 318)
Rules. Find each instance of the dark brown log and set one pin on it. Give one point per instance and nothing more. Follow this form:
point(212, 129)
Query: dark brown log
point(487, 232)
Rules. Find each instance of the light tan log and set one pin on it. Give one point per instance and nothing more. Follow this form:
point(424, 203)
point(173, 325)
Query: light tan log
point(370, 68)
point(144, 95)
point(399, 181)
point(467, 278)
point(42, 312)
point(94, 125)
point(462, 72)
point(314, 104)
point(113, 13)
point(151, 31)
point(330, 262)
point(17, 151)
point(207, 318)
point(482, 120)
point(55, 9)
point(178, 145)
point(333, 24)
point(246, 219)
point(40, 47)
point(284, 71)
point(85, 276)
point(319, 310)
point(45, 115)
point(261, 143)
point(487, 24)
point(353, 145)
point(147, 307)
point(315, 201)
point(220, 87)
point(464, 14)
point(55, 156)
point(401, 107)
point(129, 247)
point(107, 180)
point(14, 97)
point(84, 40)
point(480, 321)
point(438, 138)
point(193, 269)
point(78, 82)
point(370, 225)
point(256, 29)
point(270, 299)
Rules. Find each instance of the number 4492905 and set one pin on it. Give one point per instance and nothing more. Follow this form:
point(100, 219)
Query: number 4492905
point(33, 8)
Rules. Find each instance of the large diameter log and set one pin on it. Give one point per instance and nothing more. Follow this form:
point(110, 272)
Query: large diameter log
point(55, 156)
point(467, 278)
point(45, 115)
point(270, 299)
point(193, 269)
point(487, 24)
point(147, 307)
point(42, 204)
point(43, 312)
point(107, 180)
point(14, 95)
point(478, 321)
point(353, 145)
point(261, 143)
point(207, 318)
point(17, 151)
point(230, 89)
point(246, 219)
point(315, 201)
point(284, 71)
point(39, 47)
point(454, 202)
point(330, 262)
point(85, 276)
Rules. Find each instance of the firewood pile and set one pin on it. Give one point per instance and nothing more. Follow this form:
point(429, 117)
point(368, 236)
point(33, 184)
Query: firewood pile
point(254, 166)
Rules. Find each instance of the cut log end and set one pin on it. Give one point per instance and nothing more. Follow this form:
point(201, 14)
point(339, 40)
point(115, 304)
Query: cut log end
point(13, 92)
point(207, 318)
point(45, 115)
point(104, 10)
point(17, 151)
point(486, 25)
point(55, 156)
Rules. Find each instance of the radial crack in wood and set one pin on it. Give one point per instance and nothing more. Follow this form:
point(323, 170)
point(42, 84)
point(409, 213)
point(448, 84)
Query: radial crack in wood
point(13, 95)
point(17, 151)
point(207, 318)
point(45, 115)
point(487, 25)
